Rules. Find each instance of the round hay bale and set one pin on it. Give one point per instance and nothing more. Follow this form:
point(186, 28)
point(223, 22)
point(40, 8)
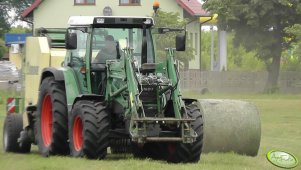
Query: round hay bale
point(230, 125)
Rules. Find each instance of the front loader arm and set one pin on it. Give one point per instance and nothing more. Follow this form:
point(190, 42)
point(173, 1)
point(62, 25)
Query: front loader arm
point(123, 86)
point(178, 104)
point(122, 71)
point(122, 80)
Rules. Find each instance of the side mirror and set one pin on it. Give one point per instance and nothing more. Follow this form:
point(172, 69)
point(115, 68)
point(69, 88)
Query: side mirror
point(181, 42)
point(71, 40)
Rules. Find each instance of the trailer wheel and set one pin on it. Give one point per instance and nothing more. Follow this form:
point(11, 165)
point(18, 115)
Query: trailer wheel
point(52, 118)
point(89, 125)
point(187, 153)
point(13, 126)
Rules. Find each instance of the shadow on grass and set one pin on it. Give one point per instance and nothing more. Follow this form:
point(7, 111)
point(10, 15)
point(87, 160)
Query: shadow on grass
point(114, 157)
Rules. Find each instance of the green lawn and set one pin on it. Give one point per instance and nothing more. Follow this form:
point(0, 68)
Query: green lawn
point(281, 129)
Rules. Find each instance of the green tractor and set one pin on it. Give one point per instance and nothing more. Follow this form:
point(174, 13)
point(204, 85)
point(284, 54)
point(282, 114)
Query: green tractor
point(110, 92)
point(99, 85)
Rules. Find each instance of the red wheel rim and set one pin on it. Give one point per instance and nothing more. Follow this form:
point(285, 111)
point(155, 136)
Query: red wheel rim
point(78, 133)
point(46, 123)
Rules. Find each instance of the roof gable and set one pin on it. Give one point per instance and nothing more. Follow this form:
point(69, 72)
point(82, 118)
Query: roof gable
point(30, 9)
point(193, 7)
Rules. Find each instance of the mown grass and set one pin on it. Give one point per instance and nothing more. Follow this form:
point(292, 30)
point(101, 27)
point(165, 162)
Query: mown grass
point(281, 129)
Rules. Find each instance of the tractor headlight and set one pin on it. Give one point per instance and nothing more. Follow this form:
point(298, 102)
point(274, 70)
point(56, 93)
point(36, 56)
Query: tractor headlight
point(148, 21)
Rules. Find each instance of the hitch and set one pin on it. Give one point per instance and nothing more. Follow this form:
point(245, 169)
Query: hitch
point(140, 132)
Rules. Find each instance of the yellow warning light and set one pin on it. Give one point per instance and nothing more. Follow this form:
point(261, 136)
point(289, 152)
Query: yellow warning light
point(156, 4)
point(209, 19)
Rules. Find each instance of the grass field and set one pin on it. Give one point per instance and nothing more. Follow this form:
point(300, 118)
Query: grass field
point(281, 130)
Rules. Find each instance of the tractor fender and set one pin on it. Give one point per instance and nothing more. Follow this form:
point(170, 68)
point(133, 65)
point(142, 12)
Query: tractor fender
point(90, 97)
point(53, 72)
point(188, 101)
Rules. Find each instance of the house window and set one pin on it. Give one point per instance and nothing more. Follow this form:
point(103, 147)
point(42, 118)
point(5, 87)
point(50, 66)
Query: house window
point(84, 2)
point(129, 2)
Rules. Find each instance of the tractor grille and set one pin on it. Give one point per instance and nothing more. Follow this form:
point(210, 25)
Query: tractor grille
point(149, 100)
point(149, 93)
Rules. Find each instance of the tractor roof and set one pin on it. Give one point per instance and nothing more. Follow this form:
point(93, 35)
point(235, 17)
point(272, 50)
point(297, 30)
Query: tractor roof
point(110, 21)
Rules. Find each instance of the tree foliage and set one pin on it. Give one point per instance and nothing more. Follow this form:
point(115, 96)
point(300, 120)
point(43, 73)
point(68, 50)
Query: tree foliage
point(292, 56)
point(260, 25)
point(3, 49)
point(7, 9)
point(162, 41)
point(295, 37)
point(20, 29)
point(238, 58)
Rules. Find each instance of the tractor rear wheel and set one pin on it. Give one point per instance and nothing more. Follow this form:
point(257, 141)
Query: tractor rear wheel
point(13, 126)
point(51, 119)
point(188, 153)
point(89, 125)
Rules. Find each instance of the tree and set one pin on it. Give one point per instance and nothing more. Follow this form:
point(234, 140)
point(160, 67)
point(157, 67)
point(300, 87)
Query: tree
point(295, 37)
point(7, 8)
point(20, 29)
point(292, 56)
point(259, 25)
point(238, 58)
point(171, 20)
point(3, 49)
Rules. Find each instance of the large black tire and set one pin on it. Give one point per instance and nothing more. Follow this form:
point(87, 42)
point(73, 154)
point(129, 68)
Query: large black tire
point(89, 125)
point(151, 150)
point(120, 146)
point(51, 119)
point(139, 151)
point(13, 126)
point(188, 153)
point(172, 151)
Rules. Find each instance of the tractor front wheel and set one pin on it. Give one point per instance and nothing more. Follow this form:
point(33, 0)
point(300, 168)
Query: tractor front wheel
point(51, 119)
point(89, 126)
point(188, 153)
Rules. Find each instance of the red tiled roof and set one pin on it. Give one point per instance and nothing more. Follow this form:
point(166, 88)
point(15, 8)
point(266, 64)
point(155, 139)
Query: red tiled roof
point(30, 9)
point(193, 7)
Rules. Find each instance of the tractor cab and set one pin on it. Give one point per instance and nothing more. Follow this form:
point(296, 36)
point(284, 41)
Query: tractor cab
point(92, 41)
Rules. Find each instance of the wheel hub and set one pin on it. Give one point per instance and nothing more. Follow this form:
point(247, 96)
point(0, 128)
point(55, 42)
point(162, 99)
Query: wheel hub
point(46, 120)
point(5, 138)
point(78, 133)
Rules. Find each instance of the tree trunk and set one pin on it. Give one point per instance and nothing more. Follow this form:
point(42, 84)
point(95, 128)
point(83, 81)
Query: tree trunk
point(273, 73)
